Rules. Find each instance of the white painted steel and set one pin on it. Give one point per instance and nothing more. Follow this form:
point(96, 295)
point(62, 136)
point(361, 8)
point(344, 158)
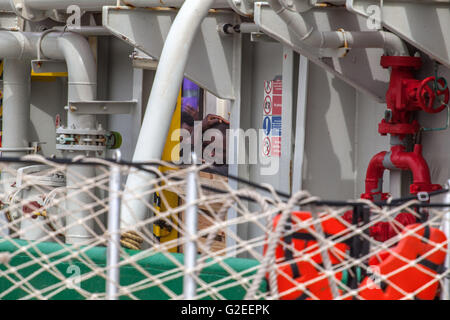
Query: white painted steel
point(162, 102)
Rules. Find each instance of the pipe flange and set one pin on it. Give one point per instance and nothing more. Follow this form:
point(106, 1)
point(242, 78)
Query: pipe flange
point(82, 148)
point(91, 132)
point(87, 140)
point(242, 7)
point(20, 8)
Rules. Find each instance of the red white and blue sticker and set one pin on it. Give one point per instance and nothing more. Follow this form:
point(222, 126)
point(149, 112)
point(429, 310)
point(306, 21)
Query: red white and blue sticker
point(272, 118)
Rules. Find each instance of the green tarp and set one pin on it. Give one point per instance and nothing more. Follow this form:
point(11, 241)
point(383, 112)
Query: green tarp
point(30, 275)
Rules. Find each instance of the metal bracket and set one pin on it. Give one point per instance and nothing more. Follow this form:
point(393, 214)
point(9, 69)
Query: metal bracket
point(429, 32)
point(102, 107)
point(373, 81)
point(298, 5)
point(48, 66)
point(26, 13)
point(210, 63)
point(423, 196)
point(9, 21)
point(260, 37)
point(142, 61)
point(88, 140)
point(242, 7)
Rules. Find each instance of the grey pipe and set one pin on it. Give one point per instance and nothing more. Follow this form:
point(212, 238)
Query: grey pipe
point(113, 249)
point(16, 113)
point(16, 105)
point(96, 5)
point(336, 39)
point(161, 105)
point(190, 247)
point(82, 86)
point(86, 30)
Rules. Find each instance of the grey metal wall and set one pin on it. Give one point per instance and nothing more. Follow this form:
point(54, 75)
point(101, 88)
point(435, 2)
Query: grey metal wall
point(329, 168)
point(48, 99)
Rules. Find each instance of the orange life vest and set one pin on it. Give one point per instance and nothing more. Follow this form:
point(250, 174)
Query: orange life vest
point(293, 269)
point(423, 247)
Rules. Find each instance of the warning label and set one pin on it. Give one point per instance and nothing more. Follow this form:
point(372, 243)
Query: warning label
point(276, 126)
point(272, 118)
point(267, 147)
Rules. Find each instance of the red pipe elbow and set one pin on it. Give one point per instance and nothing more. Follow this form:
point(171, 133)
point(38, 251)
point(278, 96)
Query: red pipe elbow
point(374, 175)
point(403, 160)
point(412, 161)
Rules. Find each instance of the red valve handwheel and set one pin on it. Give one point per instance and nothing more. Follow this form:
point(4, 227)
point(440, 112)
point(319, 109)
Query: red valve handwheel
point(424, 89)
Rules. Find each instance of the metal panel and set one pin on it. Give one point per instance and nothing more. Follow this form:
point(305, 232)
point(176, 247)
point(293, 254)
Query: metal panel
point(103, 107)
point(210, 63)
point(9, 21)
point(48, 66)
point(360, 67)
point(424, 25)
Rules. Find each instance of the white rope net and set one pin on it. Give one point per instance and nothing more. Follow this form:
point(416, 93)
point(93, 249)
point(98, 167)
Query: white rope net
point(252, 243)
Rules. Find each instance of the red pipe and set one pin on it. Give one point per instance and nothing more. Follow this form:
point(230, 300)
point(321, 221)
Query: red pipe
point(412, 161)
point(400, 159)
point(374, 175)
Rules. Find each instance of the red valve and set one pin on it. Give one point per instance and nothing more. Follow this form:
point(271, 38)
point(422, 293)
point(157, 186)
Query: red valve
point(425, 92)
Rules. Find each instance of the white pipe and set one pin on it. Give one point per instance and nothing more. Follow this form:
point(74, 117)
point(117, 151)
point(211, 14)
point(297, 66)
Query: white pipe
point(300, 130)
point(217, 4)
point(445, 295)
point(161, 105)
point(96, 5)
point(16, 105)
point(82, 86)
point(71, 47)
point(336, 39)
point(16, 115)
point(20, 149)
point(113, 250)
point(86, 30)
point(190, 247)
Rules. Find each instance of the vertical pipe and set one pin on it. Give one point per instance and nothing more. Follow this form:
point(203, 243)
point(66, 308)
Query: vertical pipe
point(16, 105)
point(113, 254)
point(446, 228)
point(82, 85)
point(285, 161)
point(16, 117)
point(162, 103)
point(300, 129)
point(190, 247)
point(235, 124)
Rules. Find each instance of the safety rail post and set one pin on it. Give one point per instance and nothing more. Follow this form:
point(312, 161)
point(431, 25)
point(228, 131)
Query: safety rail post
point(113, 251)
point(446, 228)
point(190, 247)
